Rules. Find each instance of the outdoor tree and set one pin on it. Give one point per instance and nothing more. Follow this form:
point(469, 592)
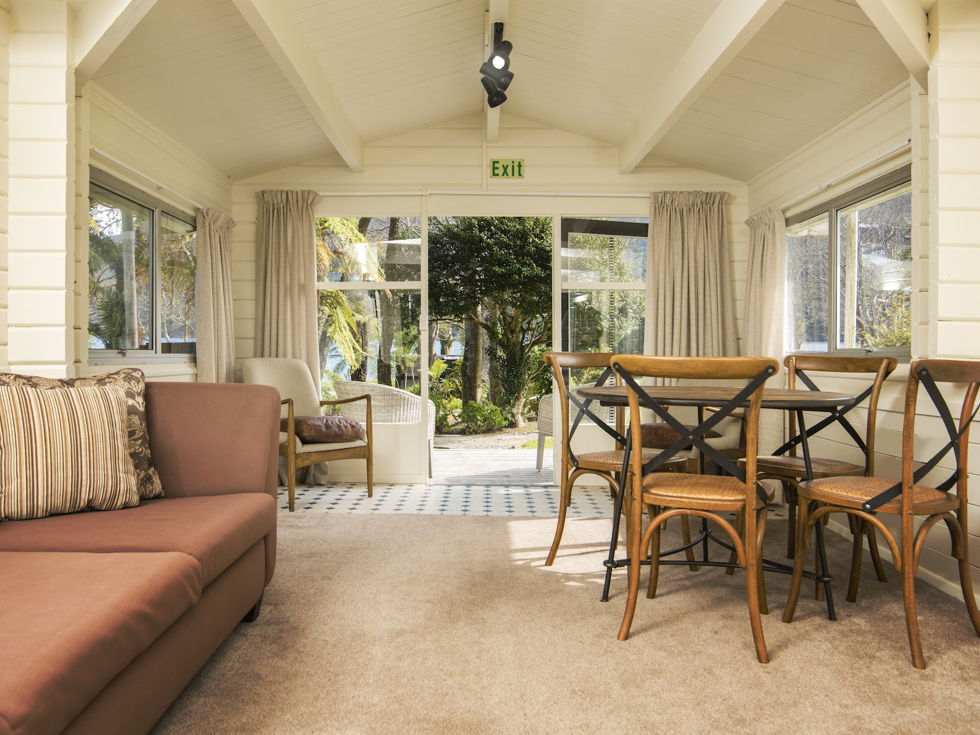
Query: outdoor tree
point(496, 271)
point(119, 253)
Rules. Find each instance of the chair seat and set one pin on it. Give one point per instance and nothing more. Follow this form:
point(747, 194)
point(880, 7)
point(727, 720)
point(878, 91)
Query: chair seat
point(851, 492)
point(332, 446)
point(795, 466)
point(680, 489)
point(612, 460)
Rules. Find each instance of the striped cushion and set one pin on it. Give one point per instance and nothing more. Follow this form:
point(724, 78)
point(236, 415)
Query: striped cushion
point(133, 384)
point(63, 451)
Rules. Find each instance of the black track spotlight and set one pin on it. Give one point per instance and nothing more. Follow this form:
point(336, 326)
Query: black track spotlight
point(495, 96)
point(496, 70)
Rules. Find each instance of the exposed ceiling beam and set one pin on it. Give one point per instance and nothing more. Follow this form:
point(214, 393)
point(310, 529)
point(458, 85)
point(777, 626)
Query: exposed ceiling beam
point(904, 26)
point(277, 29)
point(101, 25)
point(732, 25)
point(497, 14)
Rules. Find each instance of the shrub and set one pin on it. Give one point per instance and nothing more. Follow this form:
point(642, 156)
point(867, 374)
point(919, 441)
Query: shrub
point(481, 419)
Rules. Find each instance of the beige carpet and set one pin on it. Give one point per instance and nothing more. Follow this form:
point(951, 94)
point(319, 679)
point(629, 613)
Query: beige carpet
point(429, 624)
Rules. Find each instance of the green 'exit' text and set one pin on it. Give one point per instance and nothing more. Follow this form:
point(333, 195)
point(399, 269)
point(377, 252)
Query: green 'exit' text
point(506, 168)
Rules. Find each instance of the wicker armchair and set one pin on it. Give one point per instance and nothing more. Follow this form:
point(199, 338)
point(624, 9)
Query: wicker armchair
point(388, 406)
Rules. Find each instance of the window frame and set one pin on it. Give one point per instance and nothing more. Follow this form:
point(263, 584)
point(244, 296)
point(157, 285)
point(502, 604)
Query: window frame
point(103, 356)
point(613, 227)
point(831, 208)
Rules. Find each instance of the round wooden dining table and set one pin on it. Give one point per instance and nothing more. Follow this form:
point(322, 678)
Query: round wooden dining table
point(703, 397)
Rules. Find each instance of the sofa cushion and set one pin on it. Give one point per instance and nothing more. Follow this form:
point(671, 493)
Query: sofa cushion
point(69, 623)
point(133, 385)
point(63, 451)
point(214, 530)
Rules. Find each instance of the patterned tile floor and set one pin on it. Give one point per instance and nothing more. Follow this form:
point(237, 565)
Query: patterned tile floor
point(443, 499)
point(460, 500)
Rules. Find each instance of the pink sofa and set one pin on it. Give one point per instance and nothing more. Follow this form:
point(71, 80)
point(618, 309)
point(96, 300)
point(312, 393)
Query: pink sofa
point(105, 616)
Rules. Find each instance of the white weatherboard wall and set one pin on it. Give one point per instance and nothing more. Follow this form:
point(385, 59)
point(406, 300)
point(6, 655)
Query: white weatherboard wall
point(944, 151)
point(41, 194)
point(4, 169)
point(954, 170)
point(112, 138)
point(448, 164)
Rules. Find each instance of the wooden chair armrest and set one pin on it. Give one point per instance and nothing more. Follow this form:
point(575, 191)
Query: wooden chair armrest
point(337, 402)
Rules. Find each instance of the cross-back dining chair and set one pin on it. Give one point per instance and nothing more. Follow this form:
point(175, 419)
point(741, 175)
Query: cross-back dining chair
point(607, 464)
point(703, 496)
point(866, 497)
point(790, 469)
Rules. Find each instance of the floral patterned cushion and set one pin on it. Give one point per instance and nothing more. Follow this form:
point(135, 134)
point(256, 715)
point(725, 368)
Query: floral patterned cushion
point(133, 385)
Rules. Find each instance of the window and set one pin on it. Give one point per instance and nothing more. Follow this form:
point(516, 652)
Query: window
point(142, 261)
point(369, 273)
point(603, 265)
point(849, 270)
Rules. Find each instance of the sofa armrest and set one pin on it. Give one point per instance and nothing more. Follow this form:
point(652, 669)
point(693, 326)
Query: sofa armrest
point(214, 438)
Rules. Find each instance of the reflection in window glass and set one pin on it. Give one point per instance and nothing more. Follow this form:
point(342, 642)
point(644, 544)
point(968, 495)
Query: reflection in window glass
point(178, 269)
point(808, 266)
point(874, 298)
point(605, 321)
point(369, 336)
point(605, 259)
point(120, 295)
point(369, 249)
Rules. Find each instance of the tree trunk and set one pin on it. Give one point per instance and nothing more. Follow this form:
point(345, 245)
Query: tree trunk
point(472, 369)
point(387, 336)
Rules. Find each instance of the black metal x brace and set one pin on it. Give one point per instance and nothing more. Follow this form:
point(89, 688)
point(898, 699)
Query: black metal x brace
point(694, 436)
point(583, 411)
point(836, 415)
point(954, 443)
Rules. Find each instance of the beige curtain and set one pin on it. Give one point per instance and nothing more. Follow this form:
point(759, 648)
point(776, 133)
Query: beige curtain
point(690, 309)
point(285, 279)
point(213, 313)
point(765, 310)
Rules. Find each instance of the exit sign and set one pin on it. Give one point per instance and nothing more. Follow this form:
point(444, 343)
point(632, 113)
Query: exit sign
point(506, 168)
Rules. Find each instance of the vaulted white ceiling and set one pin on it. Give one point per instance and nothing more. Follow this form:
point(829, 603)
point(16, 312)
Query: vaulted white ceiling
point(727, 86)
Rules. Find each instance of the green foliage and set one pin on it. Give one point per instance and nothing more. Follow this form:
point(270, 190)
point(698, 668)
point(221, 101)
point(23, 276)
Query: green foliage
point(498, 271)
point(110, 277)
point(445, 388)
point(481, 419)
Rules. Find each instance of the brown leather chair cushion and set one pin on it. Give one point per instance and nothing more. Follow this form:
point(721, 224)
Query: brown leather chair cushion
point(325, 429)
point(661, 436)
point(214, 530)
point(69, 623)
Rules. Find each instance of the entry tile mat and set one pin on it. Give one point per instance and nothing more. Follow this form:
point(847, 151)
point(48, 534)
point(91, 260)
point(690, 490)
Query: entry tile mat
point(438, 499)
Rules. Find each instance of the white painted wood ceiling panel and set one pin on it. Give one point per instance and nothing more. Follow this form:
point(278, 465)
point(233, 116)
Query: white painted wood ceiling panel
point(592, 67)
point(398, 65)
point(815, 63)
point(195, 69)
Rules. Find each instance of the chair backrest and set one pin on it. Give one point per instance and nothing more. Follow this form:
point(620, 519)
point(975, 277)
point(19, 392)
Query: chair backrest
point(388, 405)
point(546, 414)
point(290, 376)
point(931, 374)
point(560, 361)
point(799, 367)
point(704, 370)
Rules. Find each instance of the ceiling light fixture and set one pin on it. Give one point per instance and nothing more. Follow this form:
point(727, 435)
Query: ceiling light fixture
point(496, 70)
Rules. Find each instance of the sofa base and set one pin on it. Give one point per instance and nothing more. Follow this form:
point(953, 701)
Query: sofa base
point(133, 701)
point(252, 615)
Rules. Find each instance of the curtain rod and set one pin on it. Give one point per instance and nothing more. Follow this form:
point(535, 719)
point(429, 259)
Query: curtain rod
point(851, 172)
point(480, 192)
point(160, 186)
